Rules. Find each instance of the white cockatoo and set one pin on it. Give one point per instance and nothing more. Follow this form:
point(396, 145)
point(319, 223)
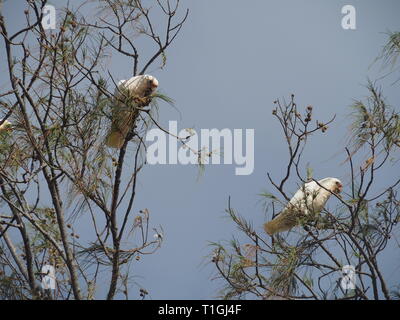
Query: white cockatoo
point(129, 95)
point(5, 126)
point(307, 201)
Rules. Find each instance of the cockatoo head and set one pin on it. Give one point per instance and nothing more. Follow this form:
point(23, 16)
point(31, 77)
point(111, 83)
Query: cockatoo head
point(5, 126)
point(141, 86)
point(332, 184)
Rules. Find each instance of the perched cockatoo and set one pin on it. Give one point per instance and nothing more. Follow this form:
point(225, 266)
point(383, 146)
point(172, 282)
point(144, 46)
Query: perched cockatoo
point(5, 126)
point(307, 201)
point(129, 95)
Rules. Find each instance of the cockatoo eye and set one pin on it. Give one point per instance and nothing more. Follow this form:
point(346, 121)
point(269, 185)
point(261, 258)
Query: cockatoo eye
point(339, 187)
point(153, 84)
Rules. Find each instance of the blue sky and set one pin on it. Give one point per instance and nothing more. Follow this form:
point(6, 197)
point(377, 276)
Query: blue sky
point(230, 62)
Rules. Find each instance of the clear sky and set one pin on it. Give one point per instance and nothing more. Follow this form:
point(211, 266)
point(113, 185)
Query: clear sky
point(230, 62)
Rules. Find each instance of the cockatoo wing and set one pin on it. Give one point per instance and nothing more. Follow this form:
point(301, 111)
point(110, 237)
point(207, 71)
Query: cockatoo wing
point(303, 198)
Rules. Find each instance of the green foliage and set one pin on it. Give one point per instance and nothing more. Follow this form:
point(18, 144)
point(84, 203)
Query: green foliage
point(374, 119)
point(391, 50)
